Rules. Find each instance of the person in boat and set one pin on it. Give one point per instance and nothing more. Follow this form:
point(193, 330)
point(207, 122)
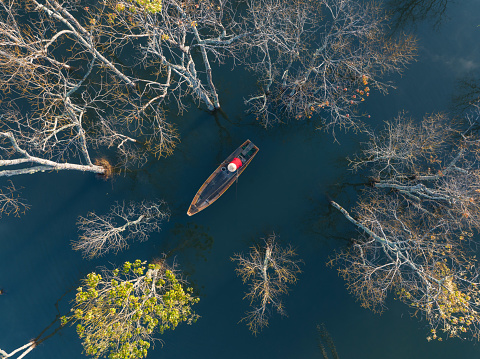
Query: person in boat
point(234, 164)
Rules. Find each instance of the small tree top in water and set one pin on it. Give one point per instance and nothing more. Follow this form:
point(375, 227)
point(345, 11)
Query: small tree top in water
point(151, 6)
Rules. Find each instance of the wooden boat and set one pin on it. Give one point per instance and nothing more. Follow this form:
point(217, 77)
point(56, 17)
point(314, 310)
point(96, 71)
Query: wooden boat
point(223, 177)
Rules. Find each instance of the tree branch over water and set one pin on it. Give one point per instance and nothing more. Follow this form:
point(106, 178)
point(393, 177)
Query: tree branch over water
point(179, 39)
point(416, 224)
point(113, 231)
point(321, 57)
point(64, 103)
point(10, 201)
point(46, 333)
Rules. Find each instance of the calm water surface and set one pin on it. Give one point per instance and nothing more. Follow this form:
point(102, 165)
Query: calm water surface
point(283, 190)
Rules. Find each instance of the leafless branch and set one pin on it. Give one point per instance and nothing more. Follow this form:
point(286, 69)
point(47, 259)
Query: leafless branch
point(101, 234)
point(170, 40)
point(65, 105)
point(320, 57)
point(11, 203)
point(268, 270)
point(417, 223)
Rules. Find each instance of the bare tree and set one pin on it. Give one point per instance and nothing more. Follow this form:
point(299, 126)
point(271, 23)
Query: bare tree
point(58, 108)
point(431, 166)
point(416, 224)
point(124, 223)
point(268, 270)
point(179, 40)
point(311, 56)
point(320, 57)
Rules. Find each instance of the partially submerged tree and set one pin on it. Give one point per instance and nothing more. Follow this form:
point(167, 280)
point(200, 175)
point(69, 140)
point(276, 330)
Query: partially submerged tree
point(311, 56)
point(112, 232)
point(120, 310)
point(53, 328)
point(268, 270)
point(178, 40)
point(320, 57)
point(430, 166)
point(63, 99)
point(416, 224)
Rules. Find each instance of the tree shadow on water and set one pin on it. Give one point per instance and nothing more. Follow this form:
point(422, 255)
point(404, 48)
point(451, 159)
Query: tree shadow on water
point(189, 241)
point(322, 221)
point(325, 343)
point(407, 14)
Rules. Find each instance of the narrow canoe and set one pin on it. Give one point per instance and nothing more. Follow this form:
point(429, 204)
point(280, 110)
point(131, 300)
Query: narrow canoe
point(222, 178)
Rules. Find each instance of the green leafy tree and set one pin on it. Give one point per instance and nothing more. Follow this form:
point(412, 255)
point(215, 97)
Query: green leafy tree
point(119, 311)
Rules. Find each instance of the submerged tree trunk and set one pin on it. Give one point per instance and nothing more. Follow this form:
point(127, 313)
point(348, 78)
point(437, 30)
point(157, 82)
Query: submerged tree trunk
point(24, 350)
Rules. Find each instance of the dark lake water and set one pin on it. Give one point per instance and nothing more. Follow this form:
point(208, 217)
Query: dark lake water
point(282, 191)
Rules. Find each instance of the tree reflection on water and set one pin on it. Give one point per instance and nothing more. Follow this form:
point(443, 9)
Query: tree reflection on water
point(407, 13)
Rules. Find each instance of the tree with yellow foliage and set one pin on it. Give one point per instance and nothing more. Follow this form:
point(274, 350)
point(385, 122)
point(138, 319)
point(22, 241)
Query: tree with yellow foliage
point(119, 311)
